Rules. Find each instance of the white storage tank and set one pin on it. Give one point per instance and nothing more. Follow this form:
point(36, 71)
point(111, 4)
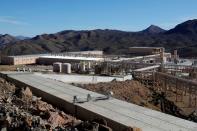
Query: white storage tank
point(57, 67)
point(89, 65)
point(66, 68)
point(83, 67)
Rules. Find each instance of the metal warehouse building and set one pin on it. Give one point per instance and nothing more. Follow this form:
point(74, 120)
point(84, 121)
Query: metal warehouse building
point(51, 58)
point(19, 60)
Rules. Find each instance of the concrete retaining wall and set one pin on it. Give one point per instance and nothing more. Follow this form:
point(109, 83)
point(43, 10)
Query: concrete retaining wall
point(71, 108)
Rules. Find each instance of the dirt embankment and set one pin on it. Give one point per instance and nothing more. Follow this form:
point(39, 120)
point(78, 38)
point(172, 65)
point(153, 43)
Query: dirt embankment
point(134, 92)
point(130, 91)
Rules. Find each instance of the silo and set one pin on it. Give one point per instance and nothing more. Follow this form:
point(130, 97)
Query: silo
point(57, 67)
point(66, 68)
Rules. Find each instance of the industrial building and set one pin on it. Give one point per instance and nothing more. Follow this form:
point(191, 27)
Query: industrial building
point(95, 62)
point(146, 50)
point(19, 60)
point(95, 52)
point(51, 58)
point(149, 53)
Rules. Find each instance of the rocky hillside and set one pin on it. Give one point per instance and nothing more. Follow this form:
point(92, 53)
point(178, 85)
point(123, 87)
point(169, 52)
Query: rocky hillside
point(5, 39)
point(183, 37)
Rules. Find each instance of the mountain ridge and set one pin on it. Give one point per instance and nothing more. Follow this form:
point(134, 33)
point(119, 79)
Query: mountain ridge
point(110, 41)
point(153, 29)
point(20, 37)
point(186, 28)
point(6, 38)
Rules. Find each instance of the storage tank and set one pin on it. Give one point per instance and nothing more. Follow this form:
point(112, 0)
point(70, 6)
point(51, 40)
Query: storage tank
point(66, 68)
point(57, 67)
point(89, 65)
point(83, 67)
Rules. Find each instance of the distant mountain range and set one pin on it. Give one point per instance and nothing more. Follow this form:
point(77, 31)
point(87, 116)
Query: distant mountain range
point(20, 37)
point(183, 37)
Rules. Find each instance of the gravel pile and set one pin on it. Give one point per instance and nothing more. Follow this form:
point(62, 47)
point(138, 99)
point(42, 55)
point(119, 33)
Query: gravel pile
point(20, 110)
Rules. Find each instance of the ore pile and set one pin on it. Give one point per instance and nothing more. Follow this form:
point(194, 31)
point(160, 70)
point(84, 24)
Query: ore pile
point(130, 91)
point(21, 110)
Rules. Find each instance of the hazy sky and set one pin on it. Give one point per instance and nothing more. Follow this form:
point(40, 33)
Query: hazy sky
point(32, 17)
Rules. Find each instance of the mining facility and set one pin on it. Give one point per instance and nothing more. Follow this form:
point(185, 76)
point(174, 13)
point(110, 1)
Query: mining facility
point(146, 89)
